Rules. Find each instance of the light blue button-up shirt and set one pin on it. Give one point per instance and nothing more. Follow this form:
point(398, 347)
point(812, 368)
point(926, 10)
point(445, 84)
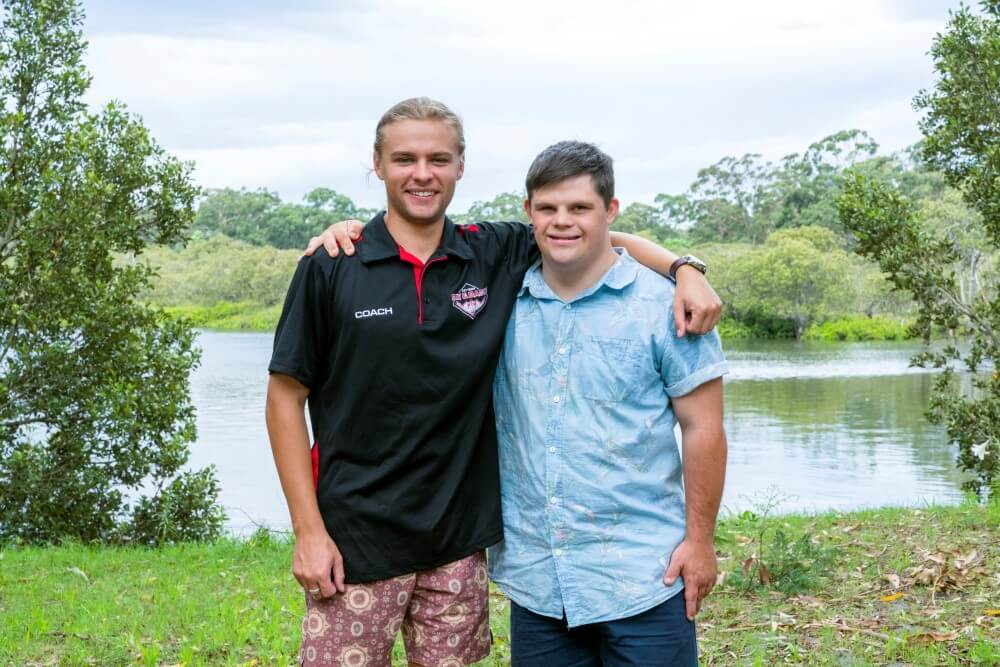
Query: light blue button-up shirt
point(590, 473)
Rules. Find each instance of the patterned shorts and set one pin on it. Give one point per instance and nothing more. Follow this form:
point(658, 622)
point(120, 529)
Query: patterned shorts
point(443, 613)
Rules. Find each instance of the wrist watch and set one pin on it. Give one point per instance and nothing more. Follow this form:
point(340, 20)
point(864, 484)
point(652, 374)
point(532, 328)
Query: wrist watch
point(686, 260)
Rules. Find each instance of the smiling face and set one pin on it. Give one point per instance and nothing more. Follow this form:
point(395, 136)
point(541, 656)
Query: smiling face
point(571, 225)
point(420, 162)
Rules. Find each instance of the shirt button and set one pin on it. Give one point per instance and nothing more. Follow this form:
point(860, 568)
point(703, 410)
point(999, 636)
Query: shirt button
point(557, 552)
point(552, 450)
point(554, 500)
point(555, 399)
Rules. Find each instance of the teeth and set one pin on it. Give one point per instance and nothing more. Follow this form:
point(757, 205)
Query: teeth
point(423, 194)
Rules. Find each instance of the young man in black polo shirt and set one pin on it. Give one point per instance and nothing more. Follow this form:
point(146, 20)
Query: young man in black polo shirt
point(395, 351)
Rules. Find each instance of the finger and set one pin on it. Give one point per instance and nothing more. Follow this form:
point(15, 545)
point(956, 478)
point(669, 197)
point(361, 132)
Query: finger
point(679, 317)
point(673, 571)
point(314, 244)
point(331, 245)
point(691, 602)
point(343, 239)
point(355, 227)
point(698, 322)
point(338, 574)
point(714, 315)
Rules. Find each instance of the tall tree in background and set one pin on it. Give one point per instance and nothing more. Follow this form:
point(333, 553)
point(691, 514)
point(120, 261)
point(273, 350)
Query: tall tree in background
point(507, 206)
point(931, 260)
point(94, 399)
point(259, 217)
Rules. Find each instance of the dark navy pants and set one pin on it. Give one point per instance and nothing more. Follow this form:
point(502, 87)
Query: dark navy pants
point(660, 637)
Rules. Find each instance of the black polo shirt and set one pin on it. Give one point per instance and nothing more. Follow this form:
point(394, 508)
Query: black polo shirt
point(399, 357)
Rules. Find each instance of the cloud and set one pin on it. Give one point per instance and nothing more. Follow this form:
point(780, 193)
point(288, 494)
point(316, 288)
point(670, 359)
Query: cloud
point(287, 97)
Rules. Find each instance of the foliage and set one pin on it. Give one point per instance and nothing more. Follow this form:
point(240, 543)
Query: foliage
point(778, 559)
point(647, 221)
point(746, 198)
point(859, 329)
point(506, 206)
point(209, 271)
point(95, 392)
point(933, 253)
point(260, 217)
point(799, 275)
point(230, 316)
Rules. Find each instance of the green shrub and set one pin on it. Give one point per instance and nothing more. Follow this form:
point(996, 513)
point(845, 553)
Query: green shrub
point(859, 328)
point(230, 316)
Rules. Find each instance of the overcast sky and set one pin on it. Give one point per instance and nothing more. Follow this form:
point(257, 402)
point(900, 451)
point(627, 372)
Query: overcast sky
point(286, 95)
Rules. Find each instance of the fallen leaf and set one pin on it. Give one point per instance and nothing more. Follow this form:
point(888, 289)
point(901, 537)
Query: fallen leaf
point(747, 564)
point(993, 612)
point(893, 579)
point(810, 600)
point(765, 575)
point(929, 637)
point(963, 562)
point(891, 598)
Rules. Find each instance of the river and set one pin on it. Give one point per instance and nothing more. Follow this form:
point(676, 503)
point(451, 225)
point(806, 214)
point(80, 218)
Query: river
point(822, 425)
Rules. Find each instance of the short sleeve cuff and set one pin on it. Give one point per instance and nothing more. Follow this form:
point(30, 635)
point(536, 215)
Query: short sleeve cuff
point(696, 379)
point(304, 379)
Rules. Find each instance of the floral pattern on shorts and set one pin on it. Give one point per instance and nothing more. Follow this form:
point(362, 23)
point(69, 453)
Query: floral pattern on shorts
point(443, 614)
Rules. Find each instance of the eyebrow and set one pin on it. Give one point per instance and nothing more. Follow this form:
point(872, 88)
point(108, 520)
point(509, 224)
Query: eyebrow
point(405, 153)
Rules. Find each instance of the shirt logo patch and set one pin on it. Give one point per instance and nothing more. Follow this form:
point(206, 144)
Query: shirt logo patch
point(470, 300)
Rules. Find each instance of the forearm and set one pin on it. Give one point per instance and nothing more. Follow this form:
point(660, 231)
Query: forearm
point(647, 253)
point(704, 476)
point(286, 428)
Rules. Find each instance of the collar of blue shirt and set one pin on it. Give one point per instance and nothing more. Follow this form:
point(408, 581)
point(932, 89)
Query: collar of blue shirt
point(619, 276)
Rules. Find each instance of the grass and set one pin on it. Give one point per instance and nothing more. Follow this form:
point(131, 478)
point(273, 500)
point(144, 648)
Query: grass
point(903, 587)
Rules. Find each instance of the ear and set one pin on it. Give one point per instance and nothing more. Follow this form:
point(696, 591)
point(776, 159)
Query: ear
point(527, 208)
point(613, 210)
point(461, 168)
point(377, 164)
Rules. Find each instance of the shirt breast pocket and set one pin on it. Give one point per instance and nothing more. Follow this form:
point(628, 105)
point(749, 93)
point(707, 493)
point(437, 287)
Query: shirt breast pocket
point(607, 369)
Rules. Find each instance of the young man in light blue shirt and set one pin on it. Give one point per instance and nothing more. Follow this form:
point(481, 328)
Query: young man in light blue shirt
point(607, 553)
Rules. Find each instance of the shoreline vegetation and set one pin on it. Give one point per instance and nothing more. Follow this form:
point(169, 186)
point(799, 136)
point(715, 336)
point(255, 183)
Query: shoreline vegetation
point(883, 586)
point(222, 284)
point(228, 316)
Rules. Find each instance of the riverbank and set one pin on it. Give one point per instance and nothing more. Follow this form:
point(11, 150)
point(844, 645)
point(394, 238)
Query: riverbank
point(918, 587)
point(251, 317)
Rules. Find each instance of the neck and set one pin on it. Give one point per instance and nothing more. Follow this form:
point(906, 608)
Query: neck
point(420, 239)
point(569, 280)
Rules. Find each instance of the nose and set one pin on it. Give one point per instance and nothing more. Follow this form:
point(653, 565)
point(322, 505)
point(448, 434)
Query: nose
point(422, 171)
point(561, 217)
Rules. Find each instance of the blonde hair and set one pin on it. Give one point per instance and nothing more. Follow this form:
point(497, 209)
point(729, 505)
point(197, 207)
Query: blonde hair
point(420, 108)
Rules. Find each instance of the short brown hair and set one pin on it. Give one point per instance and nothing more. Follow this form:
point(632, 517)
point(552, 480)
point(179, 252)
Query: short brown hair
point(420, 108)
point(568, 159)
